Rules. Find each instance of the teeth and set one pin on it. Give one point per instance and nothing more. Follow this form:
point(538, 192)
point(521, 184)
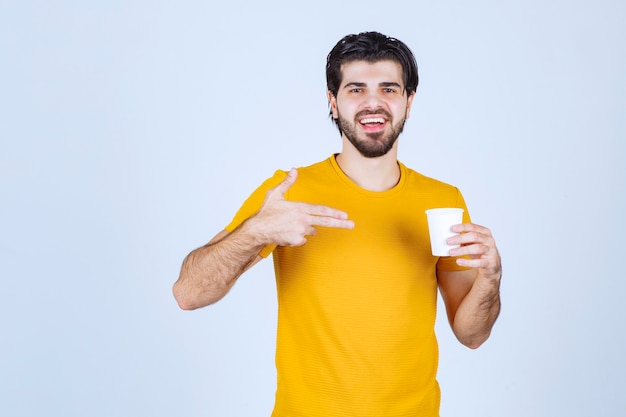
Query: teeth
point(373, 120)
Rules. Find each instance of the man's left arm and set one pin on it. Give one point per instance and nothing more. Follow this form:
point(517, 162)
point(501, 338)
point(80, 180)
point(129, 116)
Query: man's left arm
point(472, 296)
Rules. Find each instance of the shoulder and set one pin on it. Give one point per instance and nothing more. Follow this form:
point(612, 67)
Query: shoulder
point(432, 192)
point(318, 172)
point(317, 168)
point(415, 178)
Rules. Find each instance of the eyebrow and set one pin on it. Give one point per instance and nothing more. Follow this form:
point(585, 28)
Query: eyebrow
point(390, 84)
point(355, 84)
point(383, 84)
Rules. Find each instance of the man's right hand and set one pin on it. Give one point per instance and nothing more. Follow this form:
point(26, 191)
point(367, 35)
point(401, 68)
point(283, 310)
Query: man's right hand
point(287, 223)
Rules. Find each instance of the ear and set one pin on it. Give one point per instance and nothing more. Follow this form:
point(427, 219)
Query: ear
point(409, 103)
point(332, 102)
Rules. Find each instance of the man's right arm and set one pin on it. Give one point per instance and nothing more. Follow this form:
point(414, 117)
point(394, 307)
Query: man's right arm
point(209, 272)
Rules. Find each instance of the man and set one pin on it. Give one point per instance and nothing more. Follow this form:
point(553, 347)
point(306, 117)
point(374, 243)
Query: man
point(356, 280)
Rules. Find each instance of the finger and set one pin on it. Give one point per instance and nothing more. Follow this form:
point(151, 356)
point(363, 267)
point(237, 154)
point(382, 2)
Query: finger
point(475, 250)
point(467, 238)
point(327, 216)
point(290, 179)
point(301, 239)
point(332, 222)
point(473, 263)
point(473, 234)
point(300, 242)
point(489, 268)
point(470, 227)
point(323, 211)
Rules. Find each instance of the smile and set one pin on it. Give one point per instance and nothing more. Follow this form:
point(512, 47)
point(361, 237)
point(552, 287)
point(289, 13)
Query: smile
point(372, 120)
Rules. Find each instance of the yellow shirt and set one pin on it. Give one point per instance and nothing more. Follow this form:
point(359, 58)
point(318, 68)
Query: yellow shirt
point(356, 308)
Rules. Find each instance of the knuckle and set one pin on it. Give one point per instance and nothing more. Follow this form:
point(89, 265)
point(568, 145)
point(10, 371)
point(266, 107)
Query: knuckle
point(301, 229)
point(299, 242)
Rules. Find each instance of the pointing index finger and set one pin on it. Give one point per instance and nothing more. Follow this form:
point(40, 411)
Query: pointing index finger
point(328, 216)
point(321, 210)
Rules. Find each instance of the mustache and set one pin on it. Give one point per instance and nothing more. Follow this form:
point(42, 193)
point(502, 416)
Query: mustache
point(379, 111)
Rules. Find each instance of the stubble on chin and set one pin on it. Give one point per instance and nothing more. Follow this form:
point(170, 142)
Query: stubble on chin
point(375, 144)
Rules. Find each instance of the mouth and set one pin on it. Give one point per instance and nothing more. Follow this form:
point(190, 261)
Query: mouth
point(373, 123)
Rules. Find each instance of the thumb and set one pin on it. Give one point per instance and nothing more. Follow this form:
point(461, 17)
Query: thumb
point(285, 184)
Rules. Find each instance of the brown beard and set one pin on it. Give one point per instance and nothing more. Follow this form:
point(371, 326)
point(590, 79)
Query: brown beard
point(378, 143)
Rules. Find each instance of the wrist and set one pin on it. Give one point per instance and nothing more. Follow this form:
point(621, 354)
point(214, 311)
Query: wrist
point(252, 231)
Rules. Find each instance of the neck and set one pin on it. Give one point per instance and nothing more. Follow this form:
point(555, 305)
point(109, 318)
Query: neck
point(373, 174)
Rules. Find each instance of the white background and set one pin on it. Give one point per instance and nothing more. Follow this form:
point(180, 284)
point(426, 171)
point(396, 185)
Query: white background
point(132, 131)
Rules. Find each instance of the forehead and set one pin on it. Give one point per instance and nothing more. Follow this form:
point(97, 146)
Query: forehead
point(364, 71)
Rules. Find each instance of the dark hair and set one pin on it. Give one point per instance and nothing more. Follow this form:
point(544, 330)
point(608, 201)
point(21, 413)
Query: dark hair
point(371, 47)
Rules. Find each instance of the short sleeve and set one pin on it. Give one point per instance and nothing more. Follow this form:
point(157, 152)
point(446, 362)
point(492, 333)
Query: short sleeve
point(253, 204)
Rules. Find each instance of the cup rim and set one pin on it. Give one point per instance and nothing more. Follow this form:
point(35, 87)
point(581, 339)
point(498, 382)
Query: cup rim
point(444, 210)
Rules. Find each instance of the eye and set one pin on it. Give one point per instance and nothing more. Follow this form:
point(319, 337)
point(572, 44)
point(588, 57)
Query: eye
point(356, 90)
point(389, 90)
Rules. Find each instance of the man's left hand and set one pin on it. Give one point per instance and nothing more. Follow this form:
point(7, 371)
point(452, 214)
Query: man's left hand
point(478, 244)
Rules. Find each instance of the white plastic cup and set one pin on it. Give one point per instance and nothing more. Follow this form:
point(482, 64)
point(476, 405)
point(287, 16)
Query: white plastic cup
point(440, 222)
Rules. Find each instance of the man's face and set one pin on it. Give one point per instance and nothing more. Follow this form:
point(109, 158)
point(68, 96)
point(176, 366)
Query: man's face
point(371, 105)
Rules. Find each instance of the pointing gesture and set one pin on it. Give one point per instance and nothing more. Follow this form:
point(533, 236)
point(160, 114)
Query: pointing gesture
point(287, 223)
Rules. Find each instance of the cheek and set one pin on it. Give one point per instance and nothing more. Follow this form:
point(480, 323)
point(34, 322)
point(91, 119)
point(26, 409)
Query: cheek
point(402, 110)
point(347, 109)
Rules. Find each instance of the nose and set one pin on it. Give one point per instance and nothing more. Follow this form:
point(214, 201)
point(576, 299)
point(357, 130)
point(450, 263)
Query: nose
point(373, 100)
